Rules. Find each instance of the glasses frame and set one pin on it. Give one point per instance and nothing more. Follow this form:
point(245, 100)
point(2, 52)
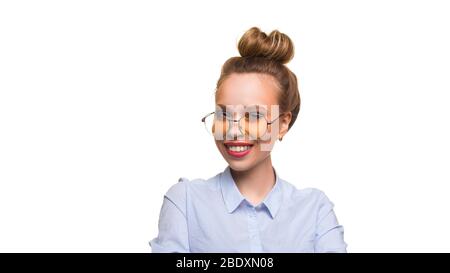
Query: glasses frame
point(231, 120)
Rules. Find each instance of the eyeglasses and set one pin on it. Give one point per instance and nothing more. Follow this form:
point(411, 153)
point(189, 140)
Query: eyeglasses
point(252, 124)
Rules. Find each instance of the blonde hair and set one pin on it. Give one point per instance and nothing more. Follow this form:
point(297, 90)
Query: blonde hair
point(267, 54)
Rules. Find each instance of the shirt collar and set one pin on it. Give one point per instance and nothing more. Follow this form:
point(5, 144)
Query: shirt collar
point(233, 197)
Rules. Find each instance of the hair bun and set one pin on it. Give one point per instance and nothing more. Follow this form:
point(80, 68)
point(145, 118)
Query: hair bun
point(276, 46)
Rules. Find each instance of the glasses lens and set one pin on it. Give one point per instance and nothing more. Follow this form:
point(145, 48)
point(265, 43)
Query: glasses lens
point(251, 124)
point(254, 124)
point(216, 124)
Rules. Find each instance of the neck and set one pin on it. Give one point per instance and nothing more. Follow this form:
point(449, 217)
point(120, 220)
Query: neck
point(255, 183)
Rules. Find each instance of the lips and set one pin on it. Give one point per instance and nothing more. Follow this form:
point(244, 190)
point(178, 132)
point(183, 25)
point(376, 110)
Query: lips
point(238, 149)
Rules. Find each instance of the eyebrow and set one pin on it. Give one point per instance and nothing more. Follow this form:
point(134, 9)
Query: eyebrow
point(245, 106)
point(221, 106)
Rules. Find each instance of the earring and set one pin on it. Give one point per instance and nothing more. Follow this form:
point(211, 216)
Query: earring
point(280, 138)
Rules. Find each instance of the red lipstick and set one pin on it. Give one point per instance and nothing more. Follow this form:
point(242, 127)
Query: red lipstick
point(238, 149)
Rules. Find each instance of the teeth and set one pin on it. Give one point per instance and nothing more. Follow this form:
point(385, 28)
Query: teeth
point(238, 148)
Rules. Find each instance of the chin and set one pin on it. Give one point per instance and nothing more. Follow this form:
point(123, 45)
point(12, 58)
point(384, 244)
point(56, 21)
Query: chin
point(243, 163)
point(240, 166)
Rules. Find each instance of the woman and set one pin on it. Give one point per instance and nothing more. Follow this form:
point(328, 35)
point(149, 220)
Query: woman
point(248, 207)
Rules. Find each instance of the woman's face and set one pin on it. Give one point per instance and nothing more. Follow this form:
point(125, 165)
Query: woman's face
point(254, 97)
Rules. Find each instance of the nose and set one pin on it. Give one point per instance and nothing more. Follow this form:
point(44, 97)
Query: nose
point(234, 132)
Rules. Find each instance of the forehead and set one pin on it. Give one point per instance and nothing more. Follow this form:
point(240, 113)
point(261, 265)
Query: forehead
point(248, 89)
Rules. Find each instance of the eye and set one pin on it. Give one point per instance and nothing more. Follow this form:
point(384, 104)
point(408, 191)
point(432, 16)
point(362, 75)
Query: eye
point(222, 115)
point(254, 115)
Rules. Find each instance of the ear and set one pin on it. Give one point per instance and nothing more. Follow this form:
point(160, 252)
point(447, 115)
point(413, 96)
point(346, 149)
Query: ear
point(285, 119)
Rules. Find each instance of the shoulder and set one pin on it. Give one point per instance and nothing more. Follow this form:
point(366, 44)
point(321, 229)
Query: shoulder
point(184, 188)
point(311, 196)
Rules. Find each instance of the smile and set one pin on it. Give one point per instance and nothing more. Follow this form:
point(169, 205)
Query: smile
point(238, 149)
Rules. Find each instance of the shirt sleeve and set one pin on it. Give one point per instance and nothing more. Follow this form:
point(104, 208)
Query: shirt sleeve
point(329, 234)
point(172, 224)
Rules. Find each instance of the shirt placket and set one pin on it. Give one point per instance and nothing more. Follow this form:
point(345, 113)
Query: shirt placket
point(253, 229)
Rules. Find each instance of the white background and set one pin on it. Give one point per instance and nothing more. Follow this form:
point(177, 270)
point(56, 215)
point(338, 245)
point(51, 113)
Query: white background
point(100, 107)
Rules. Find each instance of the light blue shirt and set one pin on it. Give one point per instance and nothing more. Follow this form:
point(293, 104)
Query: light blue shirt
point(213, 216)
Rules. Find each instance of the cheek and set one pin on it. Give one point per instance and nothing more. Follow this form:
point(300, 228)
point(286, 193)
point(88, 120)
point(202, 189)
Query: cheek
point(219, 144)
point(265, 147)
point(221, 148)
point(274, 129)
